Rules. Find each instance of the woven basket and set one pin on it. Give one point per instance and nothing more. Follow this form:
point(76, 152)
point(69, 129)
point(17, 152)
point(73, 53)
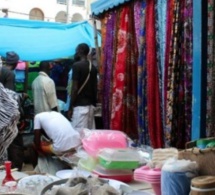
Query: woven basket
point(205, 158)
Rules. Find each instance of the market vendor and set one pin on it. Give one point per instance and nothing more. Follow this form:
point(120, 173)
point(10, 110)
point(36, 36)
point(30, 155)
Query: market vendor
point(59, 135)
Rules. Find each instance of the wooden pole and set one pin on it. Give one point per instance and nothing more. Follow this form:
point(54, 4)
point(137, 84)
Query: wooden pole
point(98, 53)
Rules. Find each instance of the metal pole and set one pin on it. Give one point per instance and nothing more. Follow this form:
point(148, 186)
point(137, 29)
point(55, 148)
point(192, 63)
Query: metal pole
point(96, 42)
point(67, 11)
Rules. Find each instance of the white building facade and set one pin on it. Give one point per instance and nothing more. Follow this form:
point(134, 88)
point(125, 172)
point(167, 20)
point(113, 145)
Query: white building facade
point(46, 10)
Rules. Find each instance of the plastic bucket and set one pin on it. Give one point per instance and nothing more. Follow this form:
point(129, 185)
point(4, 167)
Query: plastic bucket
point(200, 191)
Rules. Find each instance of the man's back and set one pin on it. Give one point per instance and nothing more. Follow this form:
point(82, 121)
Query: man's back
point(44, 93)
point(58, 129)
point(88, 94)
point(7, 78)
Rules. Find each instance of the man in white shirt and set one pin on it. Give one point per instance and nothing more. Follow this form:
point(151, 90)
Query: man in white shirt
point(54, 126)
point(44, 92)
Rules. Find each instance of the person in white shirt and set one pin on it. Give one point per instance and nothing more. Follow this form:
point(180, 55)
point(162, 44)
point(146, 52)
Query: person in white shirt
point(55, 127)
point(44, 92)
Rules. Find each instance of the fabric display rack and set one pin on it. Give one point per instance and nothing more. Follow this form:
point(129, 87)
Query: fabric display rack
point(157, 68)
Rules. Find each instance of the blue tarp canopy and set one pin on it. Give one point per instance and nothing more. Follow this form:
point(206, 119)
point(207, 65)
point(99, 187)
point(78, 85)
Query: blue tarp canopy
point(101, 6)
point(37, 40)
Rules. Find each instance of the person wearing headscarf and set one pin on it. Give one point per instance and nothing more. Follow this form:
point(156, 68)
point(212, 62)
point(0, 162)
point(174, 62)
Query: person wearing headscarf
point(7, 76)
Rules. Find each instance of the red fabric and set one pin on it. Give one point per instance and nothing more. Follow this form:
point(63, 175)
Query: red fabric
point(130, 90)
point(119, 71)
point(153, 99)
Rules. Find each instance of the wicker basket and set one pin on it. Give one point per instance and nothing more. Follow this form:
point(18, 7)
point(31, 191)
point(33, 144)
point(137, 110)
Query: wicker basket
point(205, 158)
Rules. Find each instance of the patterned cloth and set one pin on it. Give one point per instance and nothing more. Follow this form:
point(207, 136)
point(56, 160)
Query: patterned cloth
point(161, 14)
point(107, 67)
point(124, 99)
point(142, 81)
point(153, 94)
point(9, 117)
point(210, 123)
point(179, 79)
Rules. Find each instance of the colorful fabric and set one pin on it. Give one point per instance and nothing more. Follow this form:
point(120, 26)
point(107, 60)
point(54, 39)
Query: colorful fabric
point(119, 70)
point(173, 58)
point(107, 67)
point(124, 104)
point(153, 96)
point(187, 55)
point(179, 94)
point(161, 14)
point(210, 117)
point(142, 81)
point(168, 63)
point(129, 103)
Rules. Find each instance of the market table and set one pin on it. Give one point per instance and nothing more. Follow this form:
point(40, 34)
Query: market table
point(141, 186)
point(134, 184)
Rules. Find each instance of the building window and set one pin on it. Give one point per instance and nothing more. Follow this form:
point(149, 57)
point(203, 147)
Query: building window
point(62, 2)
point(61, 17)
point(78, 2)
point(77, 17)
point(36, 14)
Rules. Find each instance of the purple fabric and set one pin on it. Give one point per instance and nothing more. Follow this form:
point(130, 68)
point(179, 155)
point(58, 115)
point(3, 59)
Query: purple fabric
point(108, 61)
point(137, 19)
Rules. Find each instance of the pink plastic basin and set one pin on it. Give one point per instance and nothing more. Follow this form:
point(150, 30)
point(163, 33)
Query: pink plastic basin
point(100, 139)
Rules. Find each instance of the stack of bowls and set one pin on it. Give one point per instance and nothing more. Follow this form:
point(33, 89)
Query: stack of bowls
point(151, 176)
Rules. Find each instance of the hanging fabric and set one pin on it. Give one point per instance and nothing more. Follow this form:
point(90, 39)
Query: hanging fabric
point(142, 79)
point(167, 104)
point(153, 95)
point(107, 67)
point(124, 105)
point(210, 124)
point(187, 57)
point(119, 70)
point(161, 14)
point(129, 117)
point(179, 76)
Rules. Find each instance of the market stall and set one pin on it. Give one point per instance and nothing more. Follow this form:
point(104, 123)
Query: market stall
point(154, 69)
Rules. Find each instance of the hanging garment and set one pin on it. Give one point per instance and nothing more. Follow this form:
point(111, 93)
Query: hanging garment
point(119, 70)
point(179, 99)
point(141, 74)
point(107, 67)
point(187, 57)
point(124, 92)
point(210, 123)
point(172, 84)
point(153, 94)
point(168, 63)
point(161, 14)
point(129, 104)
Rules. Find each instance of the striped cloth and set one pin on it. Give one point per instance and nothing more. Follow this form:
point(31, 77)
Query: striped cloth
point(9, 117)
